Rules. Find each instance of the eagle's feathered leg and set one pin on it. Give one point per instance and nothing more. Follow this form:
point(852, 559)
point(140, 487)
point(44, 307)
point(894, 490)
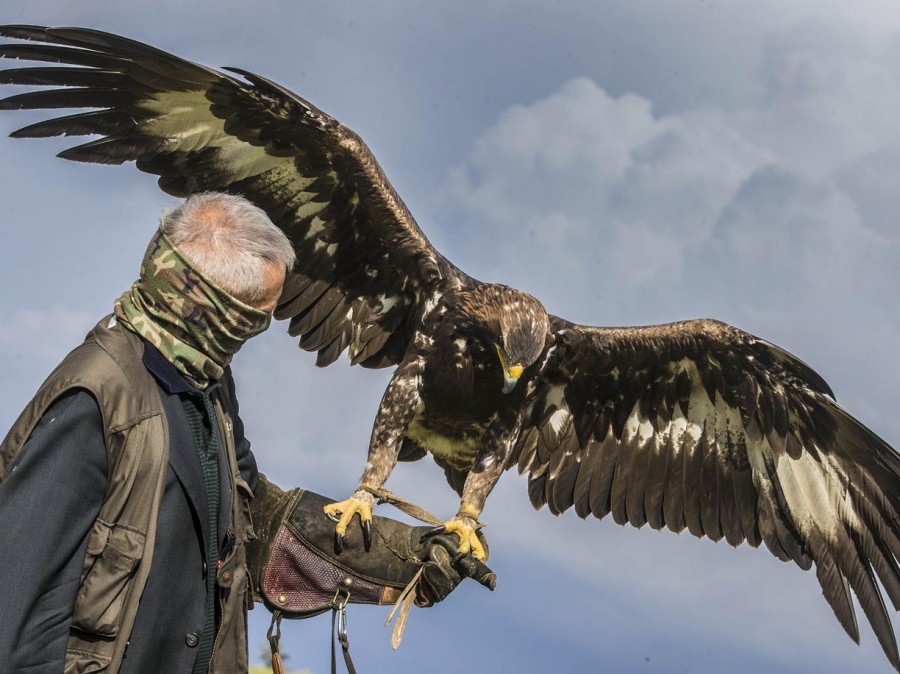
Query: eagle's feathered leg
point(489, 465)
point(398, 406)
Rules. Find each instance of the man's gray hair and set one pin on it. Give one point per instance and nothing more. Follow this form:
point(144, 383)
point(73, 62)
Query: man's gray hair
point(229, 240)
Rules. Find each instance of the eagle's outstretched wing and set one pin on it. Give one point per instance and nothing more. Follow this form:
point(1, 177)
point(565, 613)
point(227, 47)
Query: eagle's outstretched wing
point(364, 267)
point(701, 425)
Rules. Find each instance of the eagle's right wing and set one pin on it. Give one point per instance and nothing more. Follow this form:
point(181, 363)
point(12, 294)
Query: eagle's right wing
point(364, 269)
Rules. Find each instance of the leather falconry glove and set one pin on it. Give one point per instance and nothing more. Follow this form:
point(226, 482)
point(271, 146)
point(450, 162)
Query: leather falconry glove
point(297, 570)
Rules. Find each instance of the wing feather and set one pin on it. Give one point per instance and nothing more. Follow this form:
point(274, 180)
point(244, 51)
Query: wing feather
point(637, 476)
point(627, 451)
point(327, 329)
point(564, 471)
point(601, 482)
point(673, 497)
point(587, 468)
point(328, 354)
point(657, 476)
point(694, 446)
point(710, 498)
point(729, 520)
point(700, 425)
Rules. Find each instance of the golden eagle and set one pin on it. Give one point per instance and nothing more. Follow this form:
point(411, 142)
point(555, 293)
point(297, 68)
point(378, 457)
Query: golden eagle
point(693, 425)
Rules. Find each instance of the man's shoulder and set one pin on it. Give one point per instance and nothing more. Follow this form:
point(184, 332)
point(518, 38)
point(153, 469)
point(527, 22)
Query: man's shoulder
point(108, 365)
point(75, 409)
point(74, 404)
point(109, 341)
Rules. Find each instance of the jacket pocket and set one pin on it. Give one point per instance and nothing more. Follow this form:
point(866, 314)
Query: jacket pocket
point(230, 651)
point(83, 662)
point(113, 554)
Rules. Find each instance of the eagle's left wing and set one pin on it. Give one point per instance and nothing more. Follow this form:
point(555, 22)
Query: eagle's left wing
point(701, 425)
point(364, 268)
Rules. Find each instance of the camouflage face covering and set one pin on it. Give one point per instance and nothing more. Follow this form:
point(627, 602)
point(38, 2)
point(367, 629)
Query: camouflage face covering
point(195, 324)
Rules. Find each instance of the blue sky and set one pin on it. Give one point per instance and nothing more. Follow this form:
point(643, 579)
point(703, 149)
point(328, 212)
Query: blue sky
point(627, 162)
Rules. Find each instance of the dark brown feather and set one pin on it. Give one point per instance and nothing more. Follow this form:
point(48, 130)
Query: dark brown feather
point(657, 476)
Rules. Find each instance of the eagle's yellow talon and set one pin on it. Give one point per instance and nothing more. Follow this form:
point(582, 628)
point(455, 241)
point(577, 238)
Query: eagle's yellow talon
point(343, 512)
point(468, 539)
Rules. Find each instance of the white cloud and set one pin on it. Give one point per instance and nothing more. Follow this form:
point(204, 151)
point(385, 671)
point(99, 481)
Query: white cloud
point(589, 176)
point(784, 203)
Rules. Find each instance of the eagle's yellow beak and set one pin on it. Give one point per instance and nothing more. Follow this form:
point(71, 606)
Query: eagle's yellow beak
point(511, 373)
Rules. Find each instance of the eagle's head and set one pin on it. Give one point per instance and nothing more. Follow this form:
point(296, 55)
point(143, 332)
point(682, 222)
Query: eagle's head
point(507, 324)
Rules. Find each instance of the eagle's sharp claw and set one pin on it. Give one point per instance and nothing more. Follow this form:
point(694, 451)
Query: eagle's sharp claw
point(367, 534)
point(342, 513)
point(468, 538)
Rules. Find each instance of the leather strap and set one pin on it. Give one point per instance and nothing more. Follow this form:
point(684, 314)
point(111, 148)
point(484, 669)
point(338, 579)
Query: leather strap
point(404, 603)
point(387, 496)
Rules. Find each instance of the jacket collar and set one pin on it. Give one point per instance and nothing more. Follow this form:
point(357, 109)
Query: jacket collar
point(172, 381)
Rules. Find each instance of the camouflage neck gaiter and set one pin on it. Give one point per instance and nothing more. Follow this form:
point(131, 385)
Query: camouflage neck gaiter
point(196, 325)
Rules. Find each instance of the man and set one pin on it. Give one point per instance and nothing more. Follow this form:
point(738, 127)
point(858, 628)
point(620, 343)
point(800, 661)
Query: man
point(128, 492)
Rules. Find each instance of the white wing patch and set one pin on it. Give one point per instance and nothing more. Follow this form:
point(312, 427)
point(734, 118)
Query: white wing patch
point(387, 302)
point(818, 504)
point(558, 419)
point(556, 397)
